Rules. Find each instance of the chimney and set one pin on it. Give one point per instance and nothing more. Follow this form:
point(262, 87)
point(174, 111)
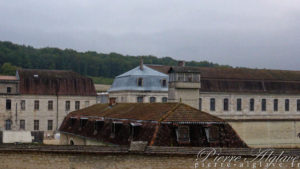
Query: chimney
point(112, 101)
point(181, 63)
point(141, 64)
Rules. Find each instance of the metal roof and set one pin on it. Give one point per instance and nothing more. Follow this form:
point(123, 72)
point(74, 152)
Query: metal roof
point(152, 80)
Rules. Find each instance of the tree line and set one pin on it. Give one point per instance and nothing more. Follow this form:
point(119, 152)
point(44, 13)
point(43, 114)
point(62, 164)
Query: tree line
point(92, 64)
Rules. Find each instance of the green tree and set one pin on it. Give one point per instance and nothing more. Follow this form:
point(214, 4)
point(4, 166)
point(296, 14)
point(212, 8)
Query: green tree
point(8, 69)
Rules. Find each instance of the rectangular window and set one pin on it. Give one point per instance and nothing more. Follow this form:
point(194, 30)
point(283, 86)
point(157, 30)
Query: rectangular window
point(200, 103)
point(36, 105)
point(164, 83)
point(251, 106)
point(98, 125)
point(68, 105)
point(8, 104)
point(298, 105)
point(212, 104)
point(77, 105)
point(140, 99)
point(263, 105)
point(226, 105)
point(239, 104)
point(22, 124)
point(183, 134)
point(275, 105)
point(50, 124)
point(50, 105)
point(36, 125)
point(140, 82)
point(87, 103)
point(287, 105)
point(212, 133)
point(8, 89)
point(8, 124)
point(83, 122)
point(23, 106)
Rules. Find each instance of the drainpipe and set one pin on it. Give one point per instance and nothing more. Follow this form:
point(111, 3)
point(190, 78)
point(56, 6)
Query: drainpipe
point(56, 111)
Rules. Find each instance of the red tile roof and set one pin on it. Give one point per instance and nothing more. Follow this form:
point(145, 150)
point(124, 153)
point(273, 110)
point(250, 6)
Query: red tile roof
point(165, 112)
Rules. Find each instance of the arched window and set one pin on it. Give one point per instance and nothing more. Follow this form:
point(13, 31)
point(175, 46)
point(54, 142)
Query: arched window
point(164, 99)
point(152, 99)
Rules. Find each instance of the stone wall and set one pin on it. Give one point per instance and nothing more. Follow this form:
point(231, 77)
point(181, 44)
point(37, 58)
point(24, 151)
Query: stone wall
point(43, 114)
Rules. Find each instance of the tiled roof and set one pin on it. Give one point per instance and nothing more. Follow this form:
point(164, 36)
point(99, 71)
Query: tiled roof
point(166, 112)
point(243, 79)
point(54, 82)
point(2, 77)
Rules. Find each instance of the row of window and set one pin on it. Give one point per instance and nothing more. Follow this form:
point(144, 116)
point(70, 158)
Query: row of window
point(140, 99)
point(140, 82)
point(36, 125)
point(251, 104)
point(50, 105)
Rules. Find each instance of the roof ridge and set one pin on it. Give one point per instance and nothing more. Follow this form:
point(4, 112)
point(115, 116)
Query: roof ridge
point(169, 112)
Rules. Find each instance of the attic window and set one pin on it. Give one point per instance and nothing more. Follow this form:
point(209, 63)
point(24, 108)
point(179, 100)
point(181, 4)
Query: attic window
point(212, 133)
point(73, 120)
point(140, 82)
point(98, 124)
point(183, 134)
point(116, 127)
point(83, 122)
point(135, 130)
point(164, 83)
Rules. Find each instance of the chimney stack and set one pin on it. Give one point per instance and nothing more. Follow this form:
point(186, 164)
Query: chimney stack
point(141, 64)
point(181, 63)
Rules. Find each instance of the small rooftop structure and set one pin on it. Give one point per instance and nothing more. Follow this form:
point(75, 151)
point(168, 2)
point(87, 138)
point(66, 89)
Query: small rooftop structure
point(141, 78)
point(8, 78)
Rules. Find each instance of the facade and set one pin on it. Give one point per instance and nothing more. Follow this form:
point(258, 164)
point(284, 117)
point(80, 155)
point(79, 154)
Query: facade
point(263, 106)
point(155, 124)
point(38, 100)
point(141, 84)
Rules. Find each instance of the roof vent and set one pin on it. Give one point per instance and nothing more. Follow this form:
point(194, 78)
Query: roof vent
point(181, 63)
point(35, 76)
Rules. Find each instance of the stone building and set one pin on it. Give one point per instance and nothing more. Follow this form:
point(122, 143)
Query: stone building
point(38, 100)
point(262, 105)
point(141, 84)
point(155, 124)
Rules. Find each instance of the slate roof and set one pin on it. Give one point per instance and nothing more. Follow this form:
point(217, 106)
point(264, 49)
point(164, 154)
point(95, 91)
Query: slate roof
point(54, 82)
point(151, 80)
point(164, 112)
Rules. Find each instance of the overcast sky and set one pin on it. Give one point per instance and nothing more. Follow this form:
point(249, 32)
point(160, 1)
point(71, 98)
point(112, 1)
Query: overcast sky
point(250, 33)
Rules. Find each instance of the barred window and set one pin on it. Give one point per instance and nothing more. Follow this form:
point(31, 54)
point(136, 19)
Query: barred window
point(275, 105)
point(263, 105)
point(50, 105)
point(67, 106)
point(226, 104)
point(8, 124)
point(36, 105)
point(22, 124)
point(77, 105)
point(239, 104)
point(36, 125)
point(251, 106)
point(212, 104)
point(50, 124)
point(287, 105)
